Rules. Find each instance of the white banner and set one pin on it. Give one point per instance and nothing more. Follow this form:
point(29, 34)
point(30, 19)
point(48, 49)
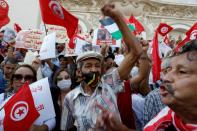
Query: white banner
point(29, 57)
point(43, 100)
point(47, 49)
point(61, 33)
point(81, 45)
point(29, 39)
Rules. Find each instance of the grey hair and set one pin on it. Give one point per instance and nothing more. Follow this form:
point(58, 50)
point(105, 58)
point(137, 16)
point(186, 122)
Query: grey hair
point(79, 64)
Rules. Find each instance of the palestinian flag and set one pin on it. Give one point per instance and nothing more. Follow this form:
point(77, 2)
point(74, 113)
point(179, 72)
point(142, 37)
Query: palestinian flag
point(113, 29)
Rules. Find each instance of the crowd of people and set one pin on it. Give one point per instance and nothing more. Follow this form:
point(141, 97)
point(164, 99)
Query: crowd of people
point(97, 91)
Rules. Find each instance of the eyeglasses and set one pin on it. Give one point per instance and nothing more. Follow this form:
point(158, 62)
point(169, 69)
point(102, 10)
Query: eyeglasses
point(59, 79)
point(19, 77)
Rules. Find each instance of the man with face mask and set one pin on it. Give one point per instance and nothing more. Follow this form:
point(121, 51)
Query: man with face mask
point(80, 104)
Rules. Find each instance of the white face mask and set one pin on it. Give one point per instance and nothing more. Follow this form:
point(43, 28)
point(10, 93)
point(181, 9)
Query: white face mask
point(64, 84)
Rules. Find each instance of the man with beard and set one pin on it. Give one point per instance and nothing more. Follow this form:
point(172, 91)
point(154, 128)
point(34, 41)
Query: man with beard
point(178, 91)
point(79, 104)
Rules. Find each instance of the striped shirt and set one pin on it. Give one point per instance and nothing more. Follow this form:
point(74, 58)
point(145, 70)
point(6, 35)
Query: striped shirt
point(79, 107)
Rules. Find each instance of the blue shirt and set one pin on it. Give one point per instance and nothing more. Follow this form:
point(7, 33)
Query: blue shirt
point(3, 83)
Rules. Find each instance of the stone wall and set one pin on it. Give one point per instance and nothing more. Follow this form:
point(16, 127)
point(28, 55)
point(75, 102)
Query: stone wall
point(149, 12)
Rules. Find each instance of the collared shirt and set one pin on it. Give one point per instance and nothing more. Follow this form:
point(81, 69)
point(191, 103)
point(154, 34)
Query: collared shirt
point(152, 106)
point(80, 108)
point(3, 83)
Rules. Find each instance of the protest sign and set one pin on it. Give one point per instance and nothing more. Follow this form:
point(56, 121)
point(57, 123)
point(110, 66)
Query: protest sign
point(81, 45)
point(47, 49)
point(102, 36)
point(61, 34)
point(43, 101)
point(29, 57)
point(29, 39)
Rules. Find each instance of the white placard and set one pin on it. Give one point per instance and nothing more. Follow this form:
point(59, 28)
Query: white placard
point(30, 56)
point(43, 100)
point(81, 45)
point(29, 39)
point(47, 49)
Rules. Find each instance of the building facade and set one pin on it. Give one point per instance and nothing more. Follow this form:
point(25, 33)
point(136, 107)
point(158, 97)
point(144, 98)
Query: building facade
point(180, 14)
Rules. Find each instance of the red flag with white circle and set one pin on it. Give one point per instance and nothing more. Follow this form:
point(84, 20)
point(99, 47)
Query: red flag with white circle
point(20, 111)
point(4, 9)
point(164, 29)
point(192, 32)
point(54, 14)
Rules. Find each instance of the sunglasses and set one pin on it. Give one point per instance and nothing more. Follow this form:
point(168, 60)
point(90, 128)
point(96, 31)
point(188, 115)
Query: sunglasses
point(19, 77)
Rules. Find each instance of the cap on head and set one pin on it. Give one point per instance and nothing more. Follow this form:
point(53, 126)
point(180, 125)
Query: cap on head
point(89, 54)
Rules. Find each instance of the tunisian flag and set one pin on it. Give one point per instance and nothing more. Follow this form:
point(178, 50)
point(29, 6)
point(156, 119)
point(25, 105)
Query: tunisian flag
point(164, 29)
point(138, 26)
point(192, 32)
point(20, 111)
point(17, 27)
point(4, 8)
point(156, 68)
point(53, 13)
point(181, 44)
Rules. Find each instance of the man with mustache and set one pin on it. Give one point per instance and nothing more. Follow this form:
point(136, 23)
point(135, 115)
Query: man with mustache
point(79, 104)
point(178, 91)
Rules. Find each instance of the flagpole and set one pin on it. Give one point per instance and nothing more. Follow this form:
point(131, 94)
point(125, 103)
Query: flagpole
point(45, 28)
point(1, 108)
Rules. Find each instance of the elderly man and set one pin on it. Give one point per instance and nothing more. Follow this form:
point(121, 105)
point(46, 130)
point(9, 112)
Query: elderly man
point(79, 104)
point(178, 92)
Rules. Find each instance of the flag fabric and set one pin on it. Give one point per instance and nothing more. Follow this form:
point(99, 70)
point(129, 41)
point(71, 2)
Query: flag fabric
point(138, 26)
point(71, 43)
point(20, 111)
point(156, 67)
point(181, 44)
point(17, 27)
point(166, 118)
point(4, 9)
point(113, 29)
point(166, 40)
point(164, 29)
point(192, 32)
point(53, 13)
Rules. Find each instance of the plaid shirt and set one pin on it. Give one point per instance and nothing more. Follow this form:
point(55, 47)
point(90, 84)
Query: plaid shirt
point(152, 106)
point(79, 107)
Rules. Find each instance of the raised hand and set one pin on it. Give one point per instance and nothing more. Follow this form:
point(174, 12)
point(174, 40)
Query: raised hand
point(110, 10)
